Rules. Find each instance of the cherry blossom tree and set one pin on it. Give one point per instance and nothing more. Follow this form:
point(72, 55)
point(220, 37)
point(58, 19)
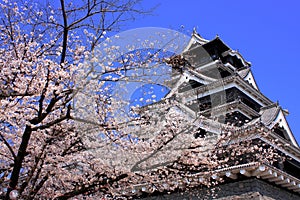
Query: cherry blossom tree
point(67, 126)
point(42, 45)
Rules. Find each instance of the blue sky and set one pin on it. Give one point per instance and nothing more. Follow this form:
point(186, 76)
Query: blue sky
point(266, 33)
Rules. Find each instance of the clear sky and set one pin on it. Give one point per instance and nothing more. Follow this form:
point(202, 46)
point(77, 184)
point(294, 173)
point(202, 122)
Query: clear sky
point(266, 33)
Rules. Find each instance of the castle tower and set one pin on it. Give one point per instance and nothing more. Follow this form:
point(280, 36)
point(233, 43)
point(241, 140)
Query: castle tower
point(218, 85)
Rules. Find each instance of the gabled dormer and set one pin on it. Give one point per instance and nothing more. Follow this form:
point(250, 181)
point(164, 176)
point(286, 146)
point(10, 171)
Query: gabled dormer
point(274, 117)
point(247, 75)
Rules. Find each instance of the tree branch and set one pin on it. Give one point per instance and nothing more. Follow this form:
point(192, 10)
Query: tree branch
point(19, 160)
point(65, 32)
point(85, 189)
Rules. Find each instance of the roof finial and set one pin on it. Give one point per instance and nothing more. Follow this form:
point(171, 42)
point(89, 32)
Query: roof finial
point(195, 31)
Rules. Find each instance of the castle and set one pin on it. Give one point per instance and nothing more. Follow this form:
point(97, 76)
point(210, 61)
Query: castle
point(222, 89)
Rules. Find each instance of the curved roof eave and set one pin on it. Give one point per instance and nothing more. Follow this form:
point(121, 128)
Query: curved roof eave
point(238, 56)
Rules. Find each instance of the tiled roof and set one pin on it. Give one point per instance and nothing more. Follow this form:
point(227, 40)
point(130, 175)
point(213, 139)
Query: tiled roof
point(243, 73)
point(268, 115)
